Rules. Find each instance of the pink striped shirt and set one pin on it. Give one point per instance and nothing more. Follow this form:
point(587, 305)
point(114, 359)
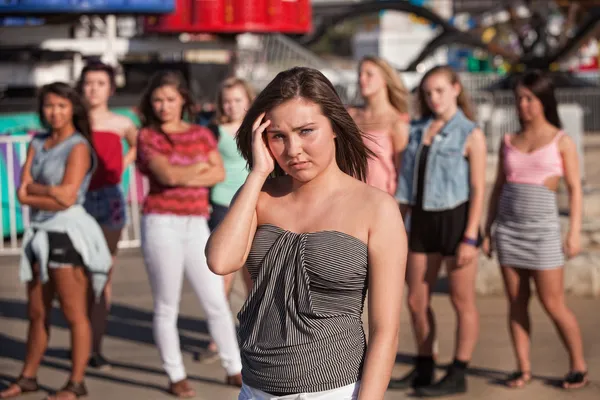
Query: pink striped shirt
point(535, 167)
point(184, 148)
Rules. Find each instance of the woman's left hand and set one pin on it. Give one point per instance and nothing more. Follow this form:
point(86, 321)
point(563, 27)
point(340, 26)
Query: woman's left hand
point(572, 244)
point(465, 254)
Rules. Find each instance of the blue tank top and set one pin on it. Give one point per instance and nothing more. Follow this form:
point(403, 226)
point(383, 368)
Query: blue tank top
point(48, 167)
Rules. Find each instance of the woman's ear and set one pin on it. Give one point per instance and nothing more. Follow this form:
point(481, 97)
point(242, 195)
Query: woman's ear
point(457, 88)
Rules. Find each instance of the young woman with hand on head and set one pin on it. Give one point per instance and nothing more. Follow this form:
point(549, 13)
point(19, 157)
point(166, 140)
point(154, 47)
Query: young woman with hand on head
point(181, 161)
point(63, 248)
point(528, 236)
point(315, 240)
point(442, 181)
point(104, 199)
point(384, 119)
point(233, 101)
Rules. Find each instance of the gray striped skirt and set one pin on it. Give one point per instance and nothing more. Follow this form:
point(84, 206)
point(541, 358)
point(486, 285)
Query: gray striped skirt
point(528, 228)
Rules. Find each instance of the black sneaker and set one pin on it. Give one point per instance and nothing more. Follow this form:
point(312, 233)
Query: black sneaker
point(454, 382)
point(420, 375)
point(99, 362)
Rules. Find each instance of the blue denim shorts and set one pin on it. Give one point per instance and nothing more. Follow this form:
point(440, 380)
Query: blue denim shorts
point(107, 206)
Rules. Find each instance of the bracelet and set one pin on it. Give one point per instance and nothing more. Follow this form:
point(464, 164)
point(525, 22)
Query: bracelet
point(470, 241)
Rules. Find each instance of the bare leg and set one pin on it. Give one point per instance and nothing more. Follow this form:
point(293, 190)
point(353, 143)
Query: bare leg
point(72, 287)
point(550, 289)
point(518, 292)
point(421, 275)
point(462, 295)
point(99, 310)
point(38, 309)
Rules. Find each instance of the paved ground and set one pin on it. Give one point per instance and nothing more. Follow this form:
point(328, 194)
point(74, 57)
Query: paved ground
point(137, 373)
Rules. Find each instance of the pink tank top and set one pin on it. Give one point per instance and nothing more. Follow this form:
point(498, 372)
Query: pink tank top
point(535, 167)
point(382, 171)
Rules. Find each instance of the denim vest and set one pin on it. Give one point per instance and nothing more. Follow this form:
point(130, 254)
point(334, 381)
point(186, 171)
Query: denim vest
point(447, 182)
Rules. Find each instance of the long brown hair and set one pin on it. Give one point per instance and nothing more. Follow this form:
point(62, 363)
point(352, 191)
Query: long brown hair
point(80, 117)
point(351, 154)
point(397, 93)
point(148, 117)
point(463, 101)
point(230, 83)
point(542, 86)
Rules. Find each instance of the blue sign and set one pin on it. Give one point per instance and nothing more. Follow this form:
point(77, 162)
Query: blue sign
point(42, 7)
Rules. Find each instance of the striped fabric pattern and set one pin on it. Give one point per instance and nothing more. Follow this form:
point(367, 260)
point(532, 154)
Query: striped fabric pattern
point(528, 228)
point(300, 328)
point(184, 148)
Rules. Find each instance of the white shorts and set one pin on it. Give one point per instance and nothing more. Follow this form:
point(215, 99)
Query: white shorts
point(349, 392)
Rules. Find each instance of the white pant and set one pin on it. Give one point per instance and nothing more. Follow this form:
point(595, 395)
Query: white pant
point(171, 245)
point(349, 392)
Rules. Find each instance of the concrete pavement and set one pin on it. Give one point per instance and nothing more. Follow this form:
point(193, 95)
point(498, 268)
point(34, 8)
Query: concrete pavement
point(137, 372)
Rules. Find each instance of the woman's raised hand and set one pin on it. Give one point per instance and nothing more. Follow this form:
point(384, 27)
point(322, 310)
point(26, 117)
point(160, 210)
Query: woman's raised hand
point(262, 160)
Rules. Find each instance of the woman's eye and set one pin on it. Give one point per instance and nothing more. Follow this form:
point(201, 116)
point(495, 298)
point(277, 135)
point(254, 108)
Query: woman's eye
point(306, 131)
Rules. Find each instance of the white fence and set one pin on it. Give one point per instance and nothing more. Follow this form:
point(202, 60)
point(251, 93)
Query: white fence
point(14, 217)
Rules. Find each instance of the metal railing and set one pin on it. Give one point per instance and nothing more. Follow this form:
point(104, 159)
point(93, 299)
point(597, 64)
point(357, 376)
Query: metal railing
point(14, 217)
point(261, 57)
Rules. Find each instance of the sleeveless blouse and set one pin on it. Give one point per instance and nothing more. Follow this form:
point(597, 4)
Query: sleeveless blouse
point(535, 167)
point(49, 165)
point(300, 328)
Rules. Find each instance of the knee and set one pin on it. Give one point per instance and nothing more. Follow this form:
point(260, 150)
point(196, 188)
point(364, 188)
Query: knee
point(37, 315)
point(555, 307)
point(418, 303)
point(166, 312)
point(75, 315)
point(518, 306)
point(463, 302)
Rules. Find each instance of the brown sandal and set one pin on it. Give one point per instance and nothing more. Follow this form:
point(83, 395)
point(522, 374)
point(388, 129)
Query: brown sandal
point(74, 388)
point(25, 385)
point(181, 389)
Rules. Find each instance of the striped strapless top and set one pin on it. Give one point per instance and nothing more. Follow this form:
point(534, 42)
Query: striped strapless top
point(300, 328)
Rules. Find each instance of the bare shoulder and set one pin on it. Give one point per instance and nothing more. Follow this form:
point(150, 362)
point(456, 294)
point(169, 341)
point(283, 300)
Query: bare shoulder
point(375, 202)
point(384, 218)
point(566, 140)
point(476, 138)
point(566, 143)
point(122, 123)
point(477, 133)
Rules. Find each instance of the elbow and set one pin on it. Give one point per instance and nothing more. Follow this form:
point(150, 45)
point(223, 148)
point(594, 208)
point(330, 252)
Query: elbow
point(388, 332)
point(388, 337)
point(22, 198)
point(69, 203)
point(217, 264)
point(167, 179)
